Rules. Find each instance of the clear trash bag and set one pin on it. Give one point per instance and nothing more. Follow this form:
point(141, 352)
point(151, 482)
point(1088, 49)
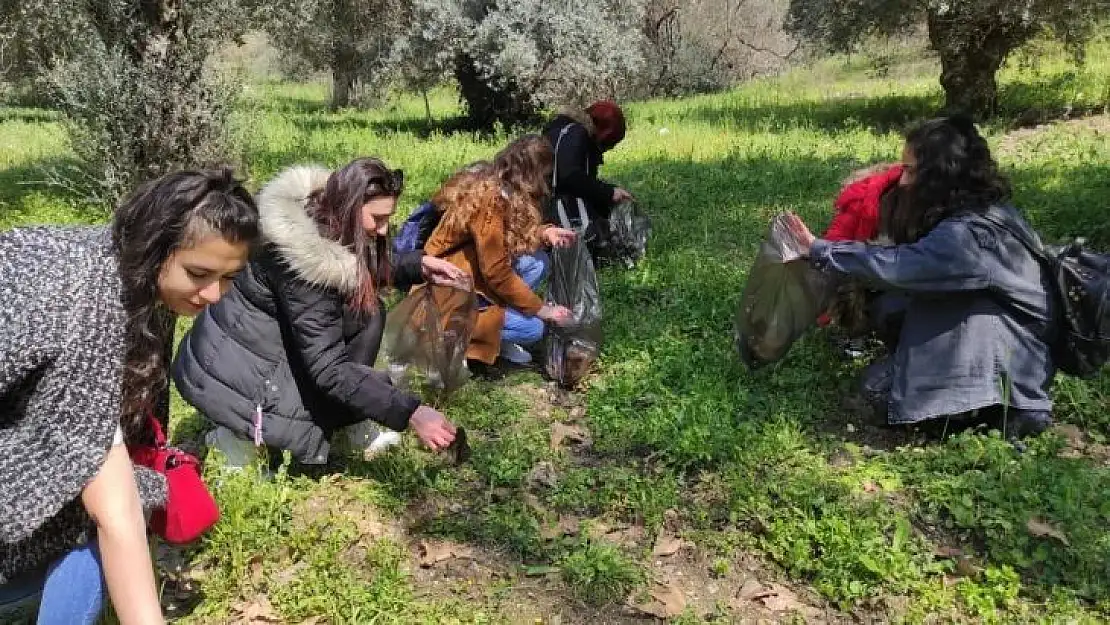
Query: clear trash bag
point(629, 230)
point(573, 349)
point(425, 340)
point(783, 297)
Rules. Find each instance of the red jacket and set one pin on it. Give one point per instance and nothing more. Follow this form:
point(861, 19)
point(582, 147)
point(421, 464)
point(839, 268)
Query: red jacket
point(857, 211)
point(857, 207)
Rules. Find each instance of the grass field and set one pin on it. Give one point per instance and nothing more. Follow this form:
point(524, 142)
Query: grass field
point(678, 481)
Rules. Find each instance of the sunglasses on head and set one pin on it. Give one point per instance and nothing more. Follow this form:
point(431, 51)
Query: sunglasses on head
point(392, 184)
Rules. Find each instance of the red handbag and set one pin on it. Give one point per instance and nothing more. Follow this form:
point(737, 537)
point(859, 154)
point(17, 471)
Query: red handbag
point(190, 509)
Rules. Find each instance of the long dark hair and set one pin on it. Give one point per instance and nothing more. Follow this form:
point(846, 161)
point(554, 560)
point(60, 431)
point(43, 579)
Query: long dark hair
point(337, 210)
point(955, 172)
point(160, 217)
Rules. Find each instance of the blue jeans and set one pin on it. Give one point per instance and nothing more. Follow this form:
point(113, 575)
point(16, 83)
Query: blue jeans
point(520, 328)
point(74, 589)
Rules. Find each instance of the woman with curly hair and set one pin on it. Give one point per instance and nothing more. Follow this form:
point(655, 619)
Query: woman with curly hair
point(86, 330)
point(492, 229)
point(979, 318)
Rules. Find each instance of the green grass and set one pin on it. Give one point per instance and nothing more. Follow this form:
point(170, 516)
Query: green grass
point(760, 463)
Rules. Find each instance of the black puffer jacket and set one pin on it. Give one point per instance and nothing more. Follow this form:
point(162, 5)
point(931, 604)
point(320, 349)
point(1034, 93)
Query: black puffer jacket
point(577, 159)
point(278, 342)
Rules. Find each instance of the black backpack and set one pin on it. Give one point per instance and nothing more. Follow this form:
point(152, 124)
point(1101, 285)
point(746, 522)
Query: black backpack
point(1080, 280)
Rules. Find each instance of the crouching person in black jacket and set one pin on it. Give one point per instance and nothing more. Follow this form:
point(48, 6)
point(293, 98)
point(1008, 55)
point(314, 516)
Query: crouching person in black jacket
point(581, 199)
point(284, 360)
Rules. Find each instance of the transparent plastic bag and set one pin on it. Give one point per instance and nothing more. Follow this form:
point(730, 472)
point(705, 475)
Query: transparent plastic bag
point(782, 298)
point(425, 340)
point(629, 230)
point(573, 349)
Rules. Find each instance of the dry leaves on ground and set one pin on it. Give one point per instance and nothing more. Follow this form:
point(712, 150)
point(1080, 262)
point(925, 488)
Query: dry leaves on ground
point(667, 545)
point(774, 597)
point(257, 611)
point(666, 601)
point(433, 552)
point(575, 434)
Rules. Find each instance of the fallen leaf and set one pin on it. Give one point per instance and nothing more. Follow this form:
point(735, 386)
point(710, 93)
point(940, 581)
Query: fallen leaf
point(966, 567)
point(751, 590)
point(543, 474)
point(666, 602)
point(782, 599)
point(626, 537)
point(433, 552)
point(574, 433)
point(598, 529)
point(942, 551)
point(312, 620)
point(258, 610)
point(1041, 529)
point(256, 570)
point(667, 545)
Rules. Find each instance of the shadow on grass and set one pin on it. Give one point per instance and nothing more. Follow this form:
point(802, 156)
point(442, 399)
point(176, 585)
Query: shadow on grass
point(26, 196)
point(1023, 103)
point(418, 126)
point(882, 114)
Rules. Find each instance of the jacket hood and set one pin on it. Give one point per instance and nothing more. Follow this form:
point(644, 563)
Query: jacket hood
point(287, 226)
point(579, 116)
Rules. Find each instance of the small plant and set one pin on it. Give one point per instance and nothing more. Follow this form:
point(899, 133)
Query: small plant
point(600, 574)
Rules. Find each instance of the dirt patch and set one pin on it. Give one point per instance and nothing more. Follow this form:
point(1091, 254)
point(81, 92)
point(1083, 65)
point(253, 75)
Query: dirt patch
point(739, 588)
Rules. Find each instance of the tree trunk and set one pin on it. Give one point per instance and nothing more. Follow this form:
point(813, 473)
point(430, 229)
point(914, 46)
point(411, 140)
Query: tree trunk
point(342, 83)
point(344, 73)
point(488, 104)
point(971, 52)
point(427, 106)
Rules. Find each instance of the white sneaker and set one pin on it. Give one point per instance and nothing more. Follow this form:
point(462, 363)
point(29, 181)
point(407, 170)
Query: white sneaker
point(515, 353)
point(382, 442)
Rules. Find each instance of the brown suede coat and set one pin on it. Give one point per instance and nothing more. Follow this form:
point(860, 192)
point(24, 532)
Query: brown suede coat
point(481, 252)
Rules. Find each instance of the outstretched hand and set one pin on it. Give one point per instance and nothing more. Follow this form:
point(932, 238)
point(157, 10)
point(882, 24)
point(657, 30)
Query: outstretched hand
point(432, 428)
point(442, 273)
point(559, 237)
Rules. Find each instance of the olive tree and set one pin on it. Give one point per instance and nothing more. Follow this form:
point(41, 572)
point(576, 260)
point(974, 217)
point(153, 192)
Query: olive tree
point(350, 39)
point(131, 80)
point(512, 58)
point(971, 37)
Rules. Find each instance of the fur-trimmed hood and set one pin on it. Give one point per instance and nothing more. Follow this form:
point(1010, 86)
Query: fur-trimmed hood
point(579, 116)
point(287, 226)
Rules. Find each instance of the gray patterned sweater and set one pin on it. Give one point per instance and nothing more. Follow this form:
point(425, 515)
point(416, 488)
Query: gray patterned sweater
point(62, 332)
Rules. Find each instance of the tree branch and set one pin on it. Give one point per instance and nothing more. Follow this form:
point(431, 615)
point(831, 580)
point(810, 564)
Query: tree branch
point(755, 48)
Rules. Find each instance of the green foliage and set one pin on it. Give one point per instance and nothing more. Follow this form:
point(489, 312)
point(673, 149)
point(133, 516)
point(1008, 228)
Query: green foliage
point(600, 574)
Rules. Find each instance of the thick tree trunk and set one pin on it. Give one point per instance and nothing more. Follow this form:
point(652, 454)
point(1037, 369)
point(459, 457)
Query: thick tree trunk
point(342, 83)
point(487, 104)
point(972, 49)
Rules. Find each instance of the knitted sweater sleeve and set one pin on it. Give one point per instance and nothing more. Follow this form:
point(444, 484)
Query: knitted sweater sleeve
point(61, 363)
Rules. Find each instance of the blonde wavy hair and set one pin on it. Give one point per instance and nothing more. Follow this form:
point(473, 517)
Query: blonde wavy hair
point(514, 186)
